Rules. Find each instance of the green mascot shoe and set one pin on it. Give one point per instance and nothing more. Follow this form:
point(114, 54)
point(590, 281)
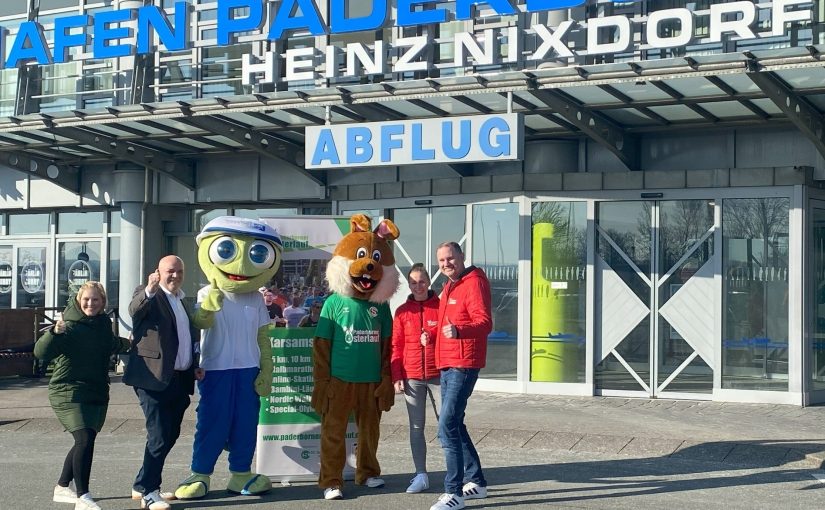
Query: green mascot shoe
point(194, 487)
point(248, 484)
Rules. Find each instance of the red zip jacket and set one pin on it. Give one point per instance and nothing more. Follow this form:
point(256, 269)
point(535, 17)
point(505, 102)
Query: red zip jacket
point(465, 303)
point(410, 359)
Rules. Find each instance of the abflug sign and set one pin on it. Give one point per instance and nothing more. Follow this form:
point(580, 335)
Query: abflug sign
point(124, 32)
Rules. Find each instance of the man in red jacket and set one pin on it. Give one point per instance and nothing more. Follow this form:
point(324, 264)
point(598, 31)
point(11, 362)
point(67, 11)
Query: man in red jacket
point(464, 321)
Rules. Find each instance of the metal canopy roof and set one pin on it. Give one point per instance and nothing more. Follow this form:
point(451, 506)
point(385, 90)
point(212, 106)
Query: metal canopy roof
point(612, 104)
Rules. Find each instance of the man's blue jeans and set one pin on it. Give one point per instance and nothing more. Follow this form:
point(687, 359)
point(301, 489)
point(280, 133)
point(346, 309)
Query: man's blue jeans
point(463, 464)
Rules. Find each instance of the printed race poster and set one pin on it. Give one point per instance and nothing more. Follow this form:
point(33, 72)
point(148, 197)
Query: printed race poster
point(289, 431)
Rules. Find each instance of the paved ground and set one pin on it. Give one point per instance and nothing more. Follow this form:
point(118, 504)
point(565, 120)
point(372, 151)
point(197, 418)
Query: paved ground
point(538, 451)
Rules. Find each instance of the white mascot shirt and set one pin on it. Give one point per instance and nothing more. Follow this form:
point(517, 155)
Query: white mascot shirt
point(232, 342)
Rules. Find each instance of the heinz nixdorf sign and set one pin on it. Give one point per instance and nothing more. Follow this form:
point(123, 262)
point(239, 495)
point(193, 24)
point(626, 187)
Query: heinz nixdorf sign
point(124, 32)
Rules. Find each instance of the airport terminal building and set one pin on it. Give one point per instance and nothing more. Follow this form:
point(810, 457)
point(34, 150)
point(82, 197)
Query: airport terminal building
point(641, 180)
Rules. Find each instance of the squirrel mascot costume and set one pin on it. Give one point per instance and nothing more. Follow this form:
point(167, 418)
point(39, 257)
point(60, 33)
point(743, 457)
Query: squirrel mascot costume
point(351, 352)
point(237, 255)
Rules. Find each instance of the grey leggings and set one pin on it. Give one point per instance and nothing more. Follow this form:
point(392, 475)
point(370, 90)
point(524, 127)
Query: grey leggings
point(415, 394)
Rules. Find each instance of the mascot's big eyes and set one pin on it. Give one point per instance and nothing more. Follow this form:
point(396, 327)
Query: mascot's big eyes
point(223, 250)
point(262, 254)
point(361, 253)
point(376, 256)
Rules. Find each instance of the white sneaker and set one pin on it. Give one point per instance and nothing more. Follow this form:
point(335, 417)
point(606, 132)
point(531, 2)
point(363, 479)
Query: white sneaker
point(64, 495)
point(448, 502)
point(333, 493)
point(154, 501)
point(419, 483)
point(167, 496)
point(374, 482)
point(472, 490)
point(85, 502)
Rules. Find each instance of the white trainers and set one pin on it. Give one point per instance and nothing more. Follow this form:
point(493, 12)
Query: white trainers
point(154, 501)
point(419, 483)
point(333, 493)
point(448, 502)
point(472, 490)
point(374, 482)
point(167, 496)
point(64, 495)
point(85, 502)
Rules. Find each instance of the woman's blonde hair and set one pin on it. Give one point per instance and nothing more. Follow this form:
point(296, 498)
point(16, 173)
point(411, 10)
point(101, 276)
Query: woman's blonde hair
point(95, 286)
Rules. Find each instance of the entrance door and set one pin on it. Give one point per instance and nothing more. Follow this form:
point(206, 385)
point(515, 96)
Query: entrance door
point(655, 297)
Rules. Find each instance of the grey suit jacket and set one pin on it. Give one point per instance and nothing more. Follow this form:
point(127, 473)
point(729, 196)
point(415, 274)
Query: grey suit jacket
point(155, 343)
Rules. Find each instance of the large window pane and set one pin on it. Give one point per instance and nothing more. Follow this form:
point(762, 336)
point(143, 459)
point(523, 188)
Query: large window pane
point(77, 263)
point(495, 250)
point(447, 224)
point(29, 224)
point(817, 353)
point(411, 246)
point(113, 274)
point(80, 223)
point(6, 276)
point(31, 281)
point(557, 317)
point(755, 268)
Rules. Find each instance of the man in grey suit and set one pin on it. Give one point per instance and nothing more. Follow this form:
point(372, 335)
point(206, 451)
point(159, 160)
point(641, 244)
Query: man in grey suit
point(162, 369)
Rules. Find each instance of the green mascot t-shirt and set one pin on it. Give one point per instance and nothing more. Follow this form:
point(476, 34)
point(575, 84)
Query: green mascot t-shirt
point(355, 327)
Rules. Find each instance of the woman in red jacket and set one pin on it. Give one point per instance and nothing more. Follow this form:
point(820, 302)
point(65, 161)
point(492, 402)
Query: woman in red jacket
point(413, 364)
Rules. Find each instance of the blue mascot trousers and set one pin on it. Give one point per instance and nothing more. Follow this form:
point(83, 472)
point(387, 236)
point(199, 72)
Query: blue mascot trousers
point(227, 416)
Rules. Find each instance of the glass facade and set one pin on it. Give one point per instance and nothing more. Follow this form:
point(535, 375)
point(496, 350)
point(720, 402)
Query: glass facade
point(559, 292)
point(204, 69)
point(495, 249)
point(755, 297)
point(77, 263)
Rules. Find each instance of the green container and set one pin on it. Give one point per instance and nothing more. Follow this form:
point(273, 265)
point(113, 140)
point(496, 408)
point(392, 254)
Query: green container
point(551, 360)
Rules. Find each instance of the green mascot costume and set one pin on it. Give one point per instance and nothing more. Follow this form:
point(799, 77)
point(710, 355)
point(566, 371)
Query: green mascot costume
point(238, 256)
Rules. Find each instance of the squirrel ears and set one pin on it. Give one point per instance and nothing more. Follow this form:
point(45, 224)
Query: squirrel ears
point(362, 223)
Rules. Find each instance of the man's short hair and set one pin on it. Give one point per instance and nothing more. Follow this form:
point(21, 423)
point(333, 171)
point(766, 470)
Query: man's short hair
point(450, 244)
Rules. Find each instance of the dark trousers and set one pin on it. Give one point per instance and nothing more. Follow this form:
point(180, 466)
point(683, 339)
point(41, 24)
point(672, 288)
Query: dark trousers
point(163, 411)
point(78, 464)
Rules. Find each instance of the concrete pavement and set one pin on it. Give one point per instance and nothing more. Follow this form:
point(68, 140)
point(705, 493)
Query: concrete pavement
point(736, 434)
point(537, 451)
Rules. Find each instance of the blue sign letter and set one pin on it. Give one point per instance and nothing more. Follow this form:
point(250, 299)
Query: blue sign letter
point(502, 146)
point(309, 19)
point(359, 149)
point(464, 8)
point(153, 18)
point(388, 143)
point(339, 23)
point(550, 5)
point(228, 24)
point(63, 40)
point(450, 150)
point(104, 34)
point(419, 153)
point(408, 17)
point(325, 149)
point(36, 49)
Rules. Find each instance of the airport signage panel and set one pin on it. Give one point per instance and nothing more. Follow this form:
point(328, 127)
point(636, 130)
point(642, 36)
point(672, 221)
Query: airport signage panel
point(444, 140)
point(141, 30)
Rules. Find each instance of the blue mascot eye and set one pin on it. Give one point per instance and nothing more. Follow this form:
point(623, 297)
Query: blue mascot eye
point(223, 250)
point(262, 254)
